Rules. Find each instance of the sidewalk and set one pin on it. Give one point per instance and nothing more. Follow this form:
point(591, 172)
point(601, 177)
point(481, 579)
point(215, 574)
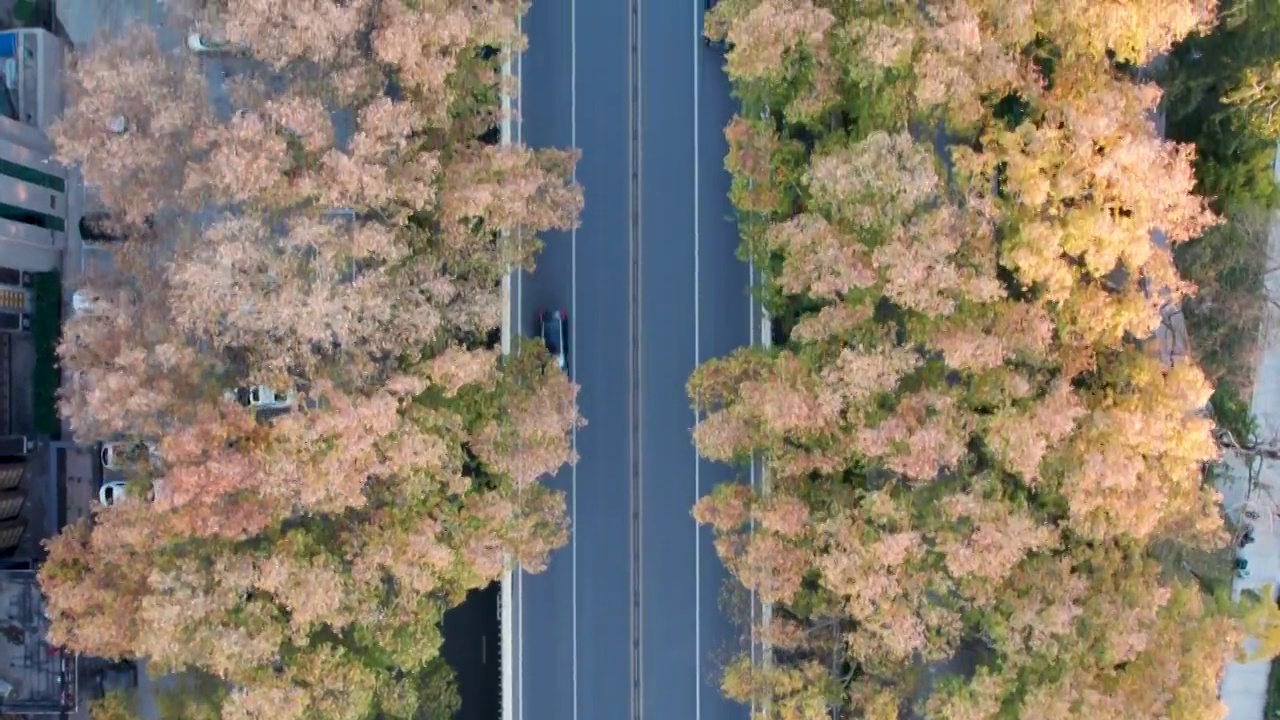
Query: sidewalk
point(84, 20)
point(1244, 685)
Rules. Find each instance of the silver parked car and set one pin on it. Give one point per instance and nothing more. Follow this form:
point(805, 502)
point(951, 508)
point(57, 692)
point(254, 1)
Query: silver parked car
point(121, 454)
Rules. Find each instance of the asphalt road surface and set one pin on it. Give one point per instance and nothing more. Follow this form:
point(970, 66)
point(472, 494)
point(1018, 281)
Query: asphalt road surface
point(471, 649)
point(572, 638)
point(628, 620)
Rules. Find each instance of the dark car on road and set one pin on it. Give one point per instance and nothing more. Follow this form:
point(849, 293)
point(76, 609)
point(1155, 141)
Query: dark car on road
point(553, 326)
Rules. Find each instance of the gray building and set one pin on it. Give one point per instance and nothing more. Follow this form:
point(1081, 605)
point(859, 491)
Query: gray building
point(36, 678)
point(35, 217)
point(34, 212)
point(33, 203)
point(39, 218)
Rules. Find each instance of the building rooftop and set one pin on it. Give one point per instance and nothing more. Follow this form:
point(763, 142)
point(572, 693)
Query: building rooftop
point(35, 678)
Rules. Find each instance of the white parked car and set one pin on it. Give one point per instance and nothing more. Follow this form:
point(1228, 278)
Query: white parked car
point(112, 492)
point(200, 44)
point(122, 454)
point(85, 302)
point(115, 491)
point(262, 397)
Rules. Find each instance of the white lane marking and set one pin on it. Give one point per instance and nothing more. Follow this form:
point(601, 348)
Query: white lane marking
point(640, 6)
point(635, 139)
point(573, 347)
point(766, 609)
point(519, 140)
point(697, 358)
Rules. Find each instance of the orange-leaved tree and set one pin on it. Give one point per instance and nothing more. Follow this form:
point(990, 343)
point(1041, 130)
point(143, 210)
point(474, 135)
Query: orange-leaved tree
point(973, 445)
point(305, 336)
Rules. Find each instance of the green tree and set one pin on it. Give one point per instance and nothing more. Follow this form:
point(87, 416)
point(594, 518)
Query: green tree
point(1221, 87)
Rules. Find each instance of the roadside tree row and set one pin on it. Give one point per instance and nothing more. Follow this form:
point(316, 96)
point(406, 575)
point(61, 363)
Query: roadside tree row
point(974, 444)
point(336, 235)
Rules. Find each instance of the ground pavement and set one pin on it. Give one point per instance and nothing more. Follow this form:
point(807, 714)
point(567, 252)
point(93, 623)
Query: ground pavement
point(1244, 685)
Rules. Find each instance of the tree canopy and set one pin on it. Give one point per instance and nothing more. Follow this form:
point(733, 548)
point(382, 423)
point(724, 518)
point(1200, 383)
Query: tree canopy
point(1223, 84)
point(972, 444)
point(304, 553)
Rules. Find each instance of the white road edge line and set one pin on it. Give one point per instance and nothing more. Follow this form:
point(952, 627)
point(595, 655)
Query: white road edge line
point(573, 346)
point(508, 575)
point(697, 358)
point(766, 609)
point(519, 130)
point(636, 107)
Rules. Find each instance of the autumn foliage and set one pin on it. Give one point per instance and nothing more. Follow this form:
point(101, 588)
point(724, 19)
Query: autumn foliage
point(971, 444)
point(305, 554)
